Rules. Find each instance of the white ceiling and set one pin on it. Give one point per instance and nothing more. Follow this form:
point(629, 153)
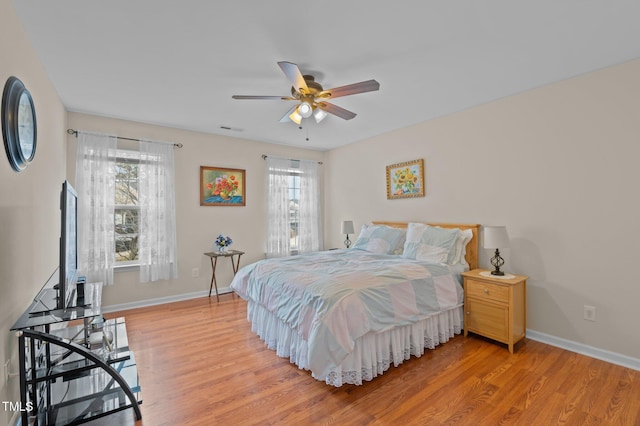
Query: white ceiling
point(177, 63)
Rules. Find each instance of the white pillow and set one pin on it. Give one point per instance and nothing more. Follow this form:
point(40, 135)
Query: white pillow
point(381, 239)
point(430, 243)
point(460, 247)
point(430, 253)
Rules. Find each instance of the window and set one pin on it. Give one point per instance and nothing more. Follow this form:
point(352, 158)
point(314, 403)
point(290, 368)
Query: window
point(294, 214)
point(126, 208)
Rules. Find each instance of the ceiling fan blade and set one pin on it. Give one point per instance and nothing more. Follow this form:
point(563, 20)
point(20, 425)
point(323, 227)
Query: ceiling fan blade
point(271, 98)
point(350, 89)
point(336, 110)
point(294, 75)
point(285, 118)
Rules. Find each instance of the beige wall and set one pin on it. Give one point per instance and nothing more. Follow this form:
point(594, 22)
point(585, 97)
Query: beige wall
point(197, 226)
point(557, 165)
point(29, 200)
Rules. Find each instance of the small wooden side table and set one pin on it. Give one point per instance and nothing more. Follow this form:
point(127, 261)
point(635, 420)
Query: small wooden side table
point(214, 255)
point(495, 307)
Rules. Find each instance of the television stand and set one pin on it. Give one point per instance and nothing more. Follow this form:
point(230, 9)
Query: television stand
point(65, 376)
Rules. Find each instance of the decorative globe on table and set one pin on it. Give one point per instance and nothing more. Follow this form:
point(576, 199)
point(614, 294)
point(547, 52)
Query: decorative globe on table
point(223, 242)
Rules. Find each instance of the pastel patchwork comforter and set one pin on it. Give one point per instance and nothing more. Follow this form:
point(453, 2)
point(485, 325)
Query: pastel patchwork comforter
point(332, 298)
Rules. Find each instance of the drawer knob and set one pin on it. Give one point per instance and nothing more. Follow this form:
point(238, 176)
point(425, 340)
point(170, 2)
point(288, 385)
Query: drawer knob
point(468, 313)
point(486, 291)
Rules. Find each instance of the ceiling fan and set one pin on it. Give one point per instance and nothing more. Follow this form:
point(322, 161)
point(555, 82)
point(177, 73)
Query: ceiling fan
point(312, 97)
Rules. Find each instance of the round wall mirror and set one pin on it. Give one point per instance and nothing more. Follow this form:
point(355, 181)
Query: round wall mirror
point(19, 128)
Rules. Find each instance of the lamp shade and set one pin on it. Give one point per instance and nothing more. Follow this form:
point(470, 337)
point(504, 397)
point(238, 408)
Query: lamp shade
point(495, 237)
point(295, 116)
point(319, 115)
point(305, 110)
point(347, 227)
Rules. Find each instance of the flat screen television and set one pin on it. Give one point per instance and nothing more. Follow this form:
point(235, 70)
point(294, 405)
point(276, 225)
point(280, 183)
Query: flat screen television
point(66, 296)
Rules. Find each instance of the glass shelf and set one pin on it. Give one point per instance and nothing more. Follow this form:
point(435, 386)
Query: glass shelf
point(90, 394)
point(42, 311)
point(95, 393)
point(64, 362)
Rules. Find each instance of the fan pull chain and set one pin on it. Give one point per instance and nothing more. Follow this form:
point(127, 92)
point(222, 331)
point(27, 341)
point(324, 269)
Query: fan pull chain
point(307, 132)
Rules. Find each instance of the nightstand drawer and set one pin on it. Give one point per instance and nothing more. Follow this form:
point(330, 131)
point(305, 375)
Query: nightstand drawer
point(484, 290)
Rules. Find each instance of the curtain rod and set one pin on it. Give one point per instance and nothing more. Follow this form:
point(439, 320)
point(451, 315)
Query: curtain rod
point(75, 133)
point(264, 157)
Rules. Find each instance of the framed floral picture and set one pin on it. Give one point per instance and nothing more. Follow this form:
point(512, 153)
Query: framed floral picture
point(405, 180)
point(220, 186)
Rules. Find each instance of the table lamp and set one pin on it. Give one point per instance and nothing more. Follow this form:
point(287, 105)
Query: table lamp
point(347, 228)
point(496, 237)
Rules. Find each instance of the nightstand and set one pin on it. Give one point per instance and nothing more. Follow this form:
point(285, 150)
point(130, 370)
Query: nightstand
point(495, 307)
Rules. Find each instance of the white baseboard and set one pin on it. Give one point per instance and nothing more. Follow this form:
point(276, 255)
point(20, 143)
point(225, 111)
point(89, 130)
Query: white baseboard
point(601, 354)
point(160, 300)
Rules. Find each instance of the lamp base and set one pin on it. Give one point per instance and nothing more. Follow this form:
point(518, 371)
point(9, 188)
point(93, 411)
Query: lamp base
point(347, 242)
point(497, 261)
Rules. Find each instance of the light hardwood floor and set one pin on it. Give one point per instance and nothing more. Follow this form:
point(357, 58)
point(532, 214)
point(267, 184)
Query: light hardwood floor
point(200, 364)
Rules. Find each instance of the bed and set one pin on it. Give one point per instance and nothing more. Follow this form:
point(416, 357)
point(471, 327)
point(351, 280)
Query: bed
point(347, 315)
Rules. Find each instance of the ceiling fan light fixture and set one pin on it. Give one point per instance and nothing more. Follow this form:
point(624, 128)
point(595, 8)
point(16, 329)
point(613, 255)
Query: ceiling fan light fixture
point(319, 115)
point(305, 110)
point(311, 96)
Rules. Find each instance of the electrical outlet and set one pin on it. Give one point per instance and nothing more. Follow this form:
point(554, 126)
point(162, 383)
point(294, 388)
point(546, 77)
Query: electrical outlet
point(195, 272)
point(7, 370)
point(589, 313)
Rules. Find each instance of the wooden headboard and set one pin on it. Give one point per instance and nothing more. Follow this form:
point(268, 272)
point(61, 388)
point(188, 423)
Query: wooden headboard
point(472, 246)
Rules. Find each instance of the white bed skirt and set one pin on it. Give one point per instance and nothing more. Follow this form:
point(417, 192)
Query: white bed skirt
point(373, 353)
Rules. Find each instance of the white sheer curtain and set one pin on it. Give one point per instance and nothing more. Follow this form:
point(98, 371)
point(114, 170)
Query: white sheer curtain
point(310, 212)
point(157, 241)
point(280, 172)
point(278, 228)
point(95, 185)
